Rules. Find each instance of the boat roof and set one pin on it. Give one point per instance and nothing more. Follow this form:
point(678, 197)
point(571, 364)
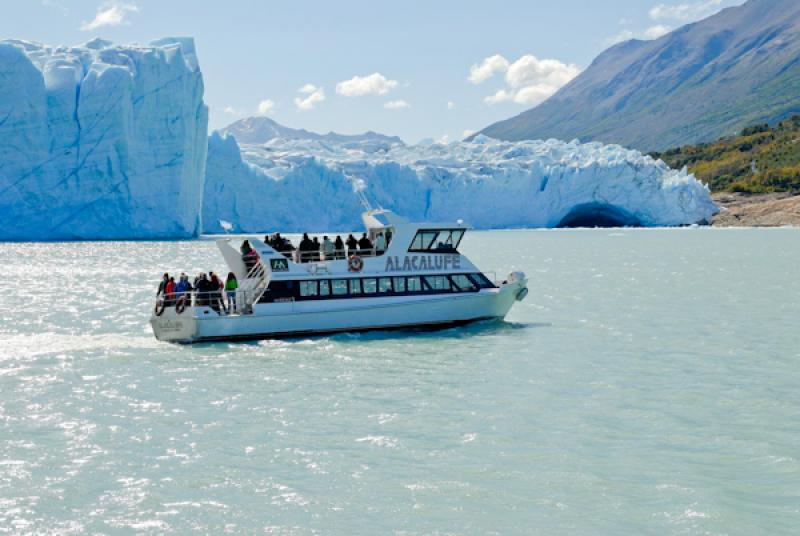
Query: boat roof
point(380, 218)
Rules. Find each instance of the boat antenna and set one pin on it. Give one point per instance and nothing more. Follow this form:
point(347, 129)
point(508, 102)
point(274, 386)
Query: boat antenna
point(359, 185)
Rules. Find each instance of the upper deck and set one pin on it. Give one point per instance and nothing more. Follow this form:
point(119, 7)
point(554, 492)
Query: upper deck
point(399, 247)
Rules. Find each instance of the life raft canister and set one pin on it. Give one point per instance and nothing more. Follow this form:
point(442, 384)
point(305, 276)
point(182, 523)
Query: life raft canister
point(160, 306)
point(355, 264)
point(180, 306)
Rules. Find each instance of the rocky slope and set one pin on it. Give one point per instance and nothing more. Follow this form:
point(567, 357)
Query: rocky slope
point(702, 81)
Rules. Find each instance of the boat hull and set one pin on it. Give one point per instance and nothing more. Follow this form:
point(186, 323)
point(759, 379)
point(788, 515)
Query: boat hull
point(331, 316)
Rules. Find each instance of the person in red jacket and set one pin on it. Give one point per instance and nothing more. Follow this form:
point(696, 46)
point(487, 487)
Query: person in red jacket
point(169, 292)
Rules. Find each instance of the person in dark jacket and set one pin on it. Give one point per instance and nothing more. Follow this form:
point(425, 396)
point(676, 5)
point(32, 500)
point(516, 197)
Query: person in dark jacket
point(202, 287)
point(338, 246)
point(215, 294)
point(364, 245)
point(352, 245)
point(162, 286)
point(306, 248)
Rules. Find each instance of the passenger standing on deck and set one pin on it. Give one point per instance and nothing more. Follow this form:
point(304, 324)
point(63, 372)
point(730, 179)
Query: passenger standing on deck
point(201, 286)
point(306, 247)
point(380, 243)
point(169, 291)
point(230, 289)
point(315, 249)
point(182, 287)
point(328, 248)
point(162, 286)
point(215, 293)
point(352, 245)
point(364, 245)
point(338, 246)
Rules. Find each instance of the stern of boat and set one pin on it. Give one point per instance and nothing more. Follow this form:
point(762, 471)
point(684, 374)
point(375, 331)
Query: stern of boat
point(173, 327)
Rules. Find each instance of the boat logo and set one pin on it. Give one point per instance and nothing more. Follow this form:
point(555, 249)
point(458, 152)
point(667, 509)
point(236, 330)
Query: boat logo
point(421, 263)
point(169, 326)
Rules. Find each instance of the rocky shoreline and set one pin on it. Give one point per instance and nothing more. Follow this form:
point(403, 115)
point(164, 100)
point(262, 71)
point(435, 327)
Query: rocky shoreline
point(756, 210)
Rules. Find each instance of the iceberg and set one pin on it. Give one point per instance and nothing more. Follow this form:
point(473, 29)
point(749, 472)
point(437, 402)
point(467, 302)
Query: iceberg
point(296, 185)
point(101, 141)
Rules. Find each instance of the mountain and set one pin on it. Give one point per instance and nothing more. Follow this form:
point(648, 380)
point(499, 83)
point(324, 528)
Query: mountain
point(762, 159)
point(263, 129)
point(306, 185)
point(703, 81)
point(101, 141)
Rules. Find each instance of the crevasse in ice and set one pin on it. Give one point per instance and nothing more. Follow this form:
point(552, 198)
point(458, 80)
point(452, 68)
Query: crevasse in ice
point(101, 141)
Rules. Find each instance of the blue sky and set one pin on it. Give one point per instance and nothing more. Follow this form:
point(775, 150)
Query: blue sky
point(417, 69)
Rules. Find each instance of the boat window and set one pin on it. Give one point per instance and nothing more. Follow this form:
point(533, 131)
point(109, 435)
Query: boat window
point(413, 284)
point(384, 285)
point(280, 290)
point(437, 283)
point(399, 284)
point(339, 287)
point(370, 286)
point(308, 288)
point(355, 286)
point(324, 288)
point(464, 283)
point(482, 281)
point(444, 240)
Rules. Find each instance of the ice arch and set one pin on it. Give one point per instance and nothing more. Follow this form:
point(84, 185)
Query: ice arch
point(598, 215)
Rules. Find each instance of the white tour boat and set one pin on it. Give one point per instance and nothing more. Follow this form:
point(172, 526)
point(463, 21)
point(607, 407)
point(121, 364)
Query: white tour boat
point(419, 279)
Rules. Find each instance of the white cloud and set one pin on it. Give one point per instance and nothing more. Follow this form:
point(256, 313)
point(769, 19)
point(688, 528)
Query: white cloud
point(467, 133)
point(487, 68)
point(654, 32)
point(531, 71)
point(373, 84)
point(451, 105)
point(685, 11)
point(233, 111)
point(110, 14)
point(308, 89)
point(529, 80)
point(396, 104)
point(444, 140)
point(315, 95)
point(501, 96)
point(264, 107)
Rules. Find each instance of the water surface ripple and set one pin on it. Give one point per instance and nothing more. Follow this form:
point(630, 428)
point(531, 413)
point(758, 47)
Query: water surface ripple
point(648, 385)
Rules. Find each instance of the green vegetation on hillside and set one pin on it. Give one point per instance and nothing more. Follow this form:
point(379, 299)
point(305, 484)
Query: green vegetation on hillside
point(761, 159)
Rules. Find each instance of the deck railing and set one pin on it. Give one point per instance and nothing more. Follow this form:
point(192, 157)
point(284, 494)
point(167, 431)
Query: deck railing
point(302, 257)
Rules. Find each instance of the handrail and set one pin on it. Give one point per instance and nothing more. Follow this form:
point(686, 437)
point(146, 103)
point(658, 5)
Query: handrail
point(301, 257)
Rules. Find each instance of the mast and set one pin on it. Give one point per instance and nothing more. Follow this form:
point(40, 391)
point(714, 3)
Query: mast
point(359, 185)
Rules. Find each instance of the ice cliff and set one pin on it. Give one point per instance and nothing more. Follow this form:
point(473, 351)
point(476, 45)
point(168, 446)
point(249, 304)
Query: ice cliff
point(300, 185)
point(101, 141)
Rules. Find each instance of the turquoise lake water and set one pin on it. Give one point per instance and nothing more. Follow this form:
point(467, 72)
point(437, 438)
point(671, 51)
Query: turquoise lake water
point(650, 384)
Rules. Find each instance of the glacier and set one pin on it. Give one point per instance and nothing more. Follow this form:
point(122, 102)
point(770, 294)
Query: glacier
point(297, 185)
point(100, 141)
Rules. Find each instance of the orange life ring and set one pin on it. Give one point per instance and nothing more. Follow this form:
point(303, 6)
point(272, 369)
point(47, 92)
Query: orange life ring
point(355, 264)
point(180, 305)
point(160, 306)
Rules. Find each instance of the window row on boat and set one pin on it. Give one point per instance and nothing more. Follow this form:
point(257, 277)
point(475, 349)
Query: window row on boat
point(365, 287)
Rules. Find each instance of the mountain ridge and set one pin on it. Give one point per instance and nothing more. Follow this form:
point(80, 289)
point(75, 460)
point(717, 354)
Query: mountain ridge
point(705, 80)
point(260, 129)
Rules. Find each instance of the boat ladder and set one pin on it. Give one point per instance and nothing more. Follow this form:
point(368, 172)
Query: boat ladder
point(254, 286)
